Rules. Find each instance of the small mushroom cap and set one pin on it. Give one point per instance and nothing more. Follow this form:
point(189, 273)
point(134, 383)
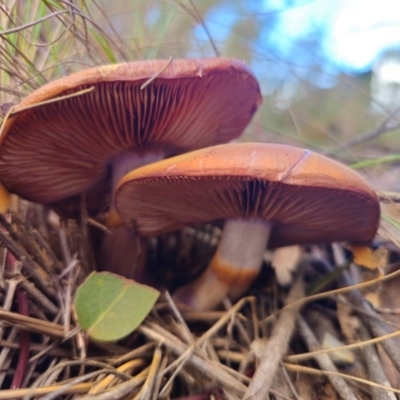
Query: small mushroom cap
point(57, 150)
point(307, 197)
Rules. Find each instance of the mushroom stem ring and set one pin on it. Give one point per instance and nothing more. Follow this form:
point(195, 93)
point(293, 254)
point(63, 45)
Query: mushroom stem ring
point(234, 266)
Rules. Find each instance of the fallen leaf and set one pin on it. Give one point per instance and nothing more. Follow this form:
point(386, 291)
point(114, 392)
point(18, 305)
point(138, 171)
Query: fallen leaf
point(366, 257)
point(110, 307)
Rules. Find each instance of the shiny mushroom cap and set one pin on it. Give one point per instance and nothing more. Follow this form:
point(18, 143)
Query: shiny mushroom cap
point(305, 196)
point(54, 151)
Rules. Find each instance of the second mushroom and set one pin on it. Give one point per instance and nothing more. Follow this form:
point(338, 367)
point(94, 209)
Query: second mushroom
point(267, 194)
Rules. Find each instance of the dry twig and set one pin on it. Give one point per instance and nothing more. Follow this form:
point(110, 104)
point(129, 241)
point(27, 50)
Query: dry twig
point(271, 354)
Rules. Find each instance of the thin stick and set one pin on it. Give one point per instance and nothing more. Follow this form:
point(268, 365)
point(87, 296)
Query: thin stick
point(377, 328)
point(12, 286)
point(24, 237)
point(313, 371)
point(215, 328)
point(39, 239)
point(38, 347)
point(33, 324)
point(325, 362)
point(289, 382)
point(186, 331)
point(24, 340)
point(68, 261)
point(98, 225)
point(241, 330)
point(38, 273)
point(276, 346)
point(254, 318)
point(375, 370)
point(4, 354)
point(38, 297)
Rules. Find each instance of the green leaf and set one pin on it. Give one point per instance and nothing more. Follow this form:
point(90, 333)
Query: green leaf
point(110, 307)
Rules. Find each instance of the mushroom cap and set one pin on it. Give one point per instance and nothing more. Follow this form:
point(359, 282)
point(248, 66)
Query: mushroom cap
point(54, 151)
point(307, 197)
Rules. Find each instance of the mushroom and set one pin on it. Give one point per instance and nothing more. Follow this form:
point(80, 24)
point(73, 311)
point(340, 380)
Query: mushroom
point(267, 194)
point(52, 152)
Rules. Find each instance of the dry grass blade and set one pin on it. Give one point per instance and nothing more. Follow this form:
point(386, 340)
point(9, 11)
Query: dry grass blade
point(121, 390)
point(103, 369)
point(147, 390)
point(186, 331)
point(66, 386)
point(159, 381)
point(38, 392)
point(108, 380)
point(139, 352)
point(211, 370)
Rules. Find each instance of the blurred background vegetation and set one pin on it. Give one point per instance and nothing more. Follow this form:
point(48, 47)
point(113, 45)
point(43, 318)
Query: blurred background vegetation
point(308, 100)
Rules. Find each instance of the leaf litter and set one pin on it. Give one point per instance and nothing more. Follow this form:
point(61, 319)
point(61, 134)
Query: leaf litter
point(238, 351)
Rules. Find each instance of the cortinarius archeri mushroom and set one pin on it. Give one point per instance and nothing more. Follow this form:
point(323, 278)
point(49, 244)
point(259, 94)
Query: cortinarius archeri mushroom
point(267, 194)
point(137, 112)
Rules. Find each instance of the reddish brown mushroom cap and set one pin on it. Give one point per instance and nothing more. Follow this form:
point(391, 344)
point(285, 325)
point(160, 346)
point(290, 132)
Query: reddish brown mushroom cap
point(306, 196)
point(58, 150)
